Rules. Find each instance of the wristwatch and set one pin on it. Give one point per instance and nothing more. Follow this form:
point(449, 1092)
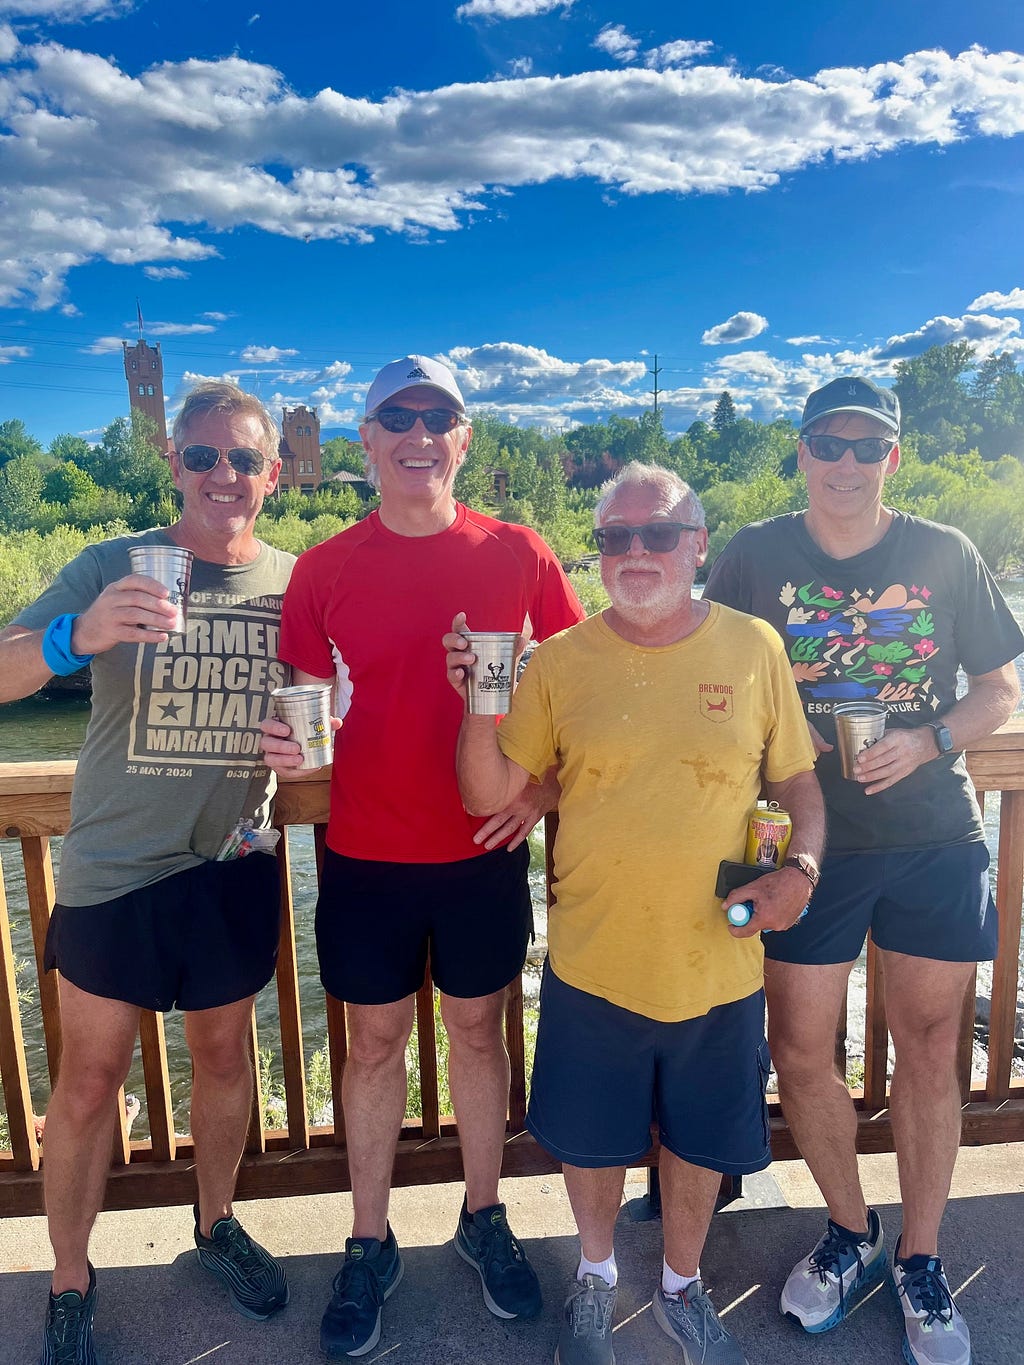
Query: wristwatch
point(805, 865)
point(942, 736)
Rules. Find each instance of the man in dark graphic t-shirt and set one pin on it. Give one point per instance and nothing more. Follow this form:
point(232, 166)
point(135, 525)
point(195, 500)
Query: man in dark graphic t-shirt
point(876, 605)
point(147, 916)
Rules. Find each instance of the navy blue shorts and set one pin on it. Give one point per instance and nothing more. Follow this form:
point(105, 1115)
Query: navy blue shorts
point(376, 923)
point(933, 903)
point(603, 1075)
point(198, 939)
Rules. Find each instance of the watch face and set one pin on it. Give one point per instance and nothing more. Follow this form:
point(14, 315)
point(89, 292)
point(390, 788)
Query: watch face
point(943, 738)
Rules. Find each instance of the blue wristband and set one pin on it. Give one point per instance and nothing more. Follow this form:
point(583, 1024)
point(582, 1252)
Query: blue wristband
point(57, 653)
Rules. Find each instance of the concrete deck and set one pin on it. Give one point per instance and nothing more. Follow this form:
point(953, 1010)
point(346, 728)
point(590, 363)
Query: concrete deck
point(157, 1308)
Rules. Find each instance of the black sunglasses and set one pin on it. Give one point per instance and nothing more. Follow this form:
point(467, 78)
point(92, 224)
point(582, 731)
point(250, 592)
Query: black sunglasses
point(867, 450)
point(657, 536)
point(437, 421)
point(242, 459)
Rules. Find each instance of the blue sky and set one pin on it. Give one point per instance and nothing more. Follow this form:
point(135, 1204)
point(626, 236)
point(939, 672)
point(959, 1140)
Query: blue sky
point(545, 194)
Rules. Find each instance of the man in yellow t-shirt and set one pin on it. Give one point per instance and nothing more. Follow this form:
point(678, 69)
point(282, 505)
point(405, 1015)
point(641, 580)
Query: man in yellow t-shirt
point(665, 717)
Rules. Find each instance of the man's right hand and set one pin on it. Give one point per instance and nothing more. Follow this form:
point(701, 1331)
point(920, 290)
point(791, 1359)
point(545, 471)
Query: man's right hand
point(134, 610)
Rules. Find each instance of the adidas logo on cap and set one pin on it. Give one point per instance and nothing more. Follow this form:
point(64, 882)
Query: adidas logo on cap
point(416, 373)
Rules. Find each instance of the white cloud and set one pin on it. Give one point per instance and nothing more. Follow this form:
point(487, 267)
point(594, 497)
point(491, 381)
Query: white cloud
point(614, 40)
point(355, 167)
point(520, 66)
point(990, 335)
point(9, 353)
point(331, 416)
point(177, 329)
point(265, 355)
point(104, 346)
point(333, 381)
point(217, 317)
point(1013, 302)
point(740, 327)
point(677, 53)
point(165, 272)
point(8, 43)
point(509, 9)
point(807, 341)
point(63, 11)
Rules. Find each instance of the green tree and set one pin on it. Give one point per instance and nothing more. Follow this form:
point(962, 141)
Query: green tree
point(67, 483)
point(724, 415)
point(15, 442)
point(68, 447)
point(126, 459)
point(935, 398)
point(21, 487)
point(339, 455)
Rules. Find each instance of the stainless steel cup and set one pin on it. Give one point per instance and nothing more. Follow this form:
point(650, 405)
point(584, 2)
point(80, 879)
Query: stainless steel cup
point(306, 709)
point(492, 678)
point(171, 566)
point(859, 724)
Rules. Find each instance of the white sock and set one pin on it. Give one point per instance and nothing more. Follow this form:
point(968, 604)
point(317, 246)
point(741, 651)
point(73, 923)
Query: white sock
point(672, 1283)
point(608, 1270)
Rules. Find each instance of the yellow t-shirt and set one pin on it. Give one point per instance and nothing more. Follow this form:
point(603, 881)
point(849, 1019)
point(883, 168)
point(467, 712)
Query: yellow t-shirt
point(660, 754)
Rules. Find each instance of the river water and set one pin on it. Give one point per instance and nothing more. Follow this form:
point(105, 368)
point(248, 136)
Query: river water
point(37, 730)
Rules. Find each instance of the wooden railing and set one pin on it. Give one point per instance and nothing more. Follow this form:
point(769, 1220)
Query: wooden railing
point(300, 1158)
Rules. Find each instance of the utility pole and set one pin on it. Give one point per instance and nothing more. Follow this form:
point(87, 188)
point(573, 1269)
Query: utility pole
point(656, 371)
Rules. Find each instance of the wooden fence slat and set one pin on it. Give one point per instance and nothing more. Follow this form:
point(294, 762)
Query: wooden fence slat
point(120, 1144)
point(13, 1067)
point(159, 1107)
point(337, 1047)
point(516, 1044)
point(256, 1140)
point(876, 1034)
point(965, 1046)
point(426, 1035)
point(288, 1008)
point(1009, 879)
point(35, 853)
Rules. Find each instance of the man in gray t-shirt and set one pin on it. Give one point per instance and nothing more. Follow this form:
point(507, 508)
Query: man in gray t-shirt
point(170, 775)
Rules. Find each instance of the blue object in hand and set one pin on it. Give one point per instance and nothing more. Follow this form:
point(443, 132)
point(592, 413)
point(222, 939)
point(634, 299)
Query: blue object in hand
point(743, 912)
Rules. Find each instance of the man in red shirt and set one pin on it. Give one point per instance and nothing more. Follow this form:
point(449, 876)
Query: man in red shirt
point(406, 870)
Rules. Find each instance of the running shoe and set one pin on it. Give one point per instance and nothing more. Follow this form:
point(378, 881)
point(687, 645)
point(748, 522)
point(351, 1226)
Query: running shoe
point(689, 1318)
point(255, 1282)
point(935, 1331)
point(369, 1274)
point(67, 1337)
point(586, 1334)
point(485, 1240)
point(827, 1284)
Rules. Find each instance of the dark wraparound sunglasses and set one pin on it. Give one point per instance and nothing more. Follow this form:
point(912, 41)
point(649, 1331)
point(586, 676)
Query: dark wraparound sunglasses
point(868, 450)
point(242, 459)
point(657, 536)
point(437, 421)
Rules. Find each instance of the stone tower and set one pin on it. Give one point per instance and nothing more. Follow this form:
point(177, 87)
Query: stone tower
point(144, 371)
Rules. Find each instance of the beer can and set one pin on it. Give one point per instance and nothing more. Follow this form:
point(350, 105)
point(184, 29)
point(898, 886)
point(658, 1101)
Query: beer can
point(768, 833)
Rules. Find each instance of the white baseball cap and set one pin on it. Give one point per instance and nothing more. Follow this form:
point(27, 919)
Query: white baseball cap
point(412, 371)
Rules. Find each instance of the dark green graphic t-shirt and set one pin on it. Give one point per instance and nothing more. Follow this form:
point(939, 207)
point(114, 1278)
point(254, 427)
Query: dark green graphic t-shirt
point(894, 624)
point(171, 760)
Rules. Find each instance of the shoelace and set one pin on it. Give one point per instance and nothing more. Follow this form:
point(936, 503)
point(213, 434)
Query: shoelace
point(827, 1259)
point(697, 1297)
point(237, 1246)
point(499, 1246)
point(927, 1291)
point(355, 1282)
point(591, 1313)
point(65, 1328)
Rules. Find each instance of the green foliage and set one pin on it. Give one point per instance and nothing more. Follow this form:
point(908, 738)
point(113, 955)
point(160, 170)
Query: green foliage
point(724, 415)
point(68, 482)
point(21, 486)
point(341, 455)
point(16, 443)
point(65, 448)
point(30, 562)
point(589, 589)
point(293, 535)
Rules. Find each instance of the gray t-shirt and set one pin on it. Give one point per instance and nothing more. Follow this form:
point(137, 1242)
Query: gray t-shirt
point(171, 760)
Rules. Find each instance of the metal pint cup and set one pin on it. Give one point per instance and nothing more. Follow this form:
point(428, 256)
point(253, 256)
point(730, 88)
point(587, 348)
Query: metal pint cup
point(491, 678)
point(306, 709)
point(859, 724)
point(171, 566)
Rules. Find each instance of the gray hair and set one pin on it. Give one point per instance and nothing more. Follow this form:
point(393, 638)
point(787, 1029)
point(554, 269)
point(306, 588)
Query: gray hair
point(218, 395)
point(638, 475)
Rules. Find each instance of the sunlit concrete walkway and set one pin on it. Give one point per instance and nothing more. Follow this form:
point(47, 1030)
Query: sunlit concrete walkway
point(157, 1308)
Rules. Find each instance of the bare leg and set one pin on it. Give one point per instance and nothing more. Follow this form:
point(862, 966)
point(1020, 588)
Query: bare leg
point(374, 1095)
point(222, 1085)
point(923, 1001)
point(595, 1196)
point(478, 1075)
point(98, 1041)
point(803, 1011)
point(688, 1195)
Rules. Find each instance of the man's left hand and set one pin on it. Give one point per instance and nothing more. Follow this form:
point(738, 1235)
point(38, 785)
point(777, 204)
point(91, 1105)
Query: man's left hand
point(778, 902)
point(517, 820)
point(893, 757)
